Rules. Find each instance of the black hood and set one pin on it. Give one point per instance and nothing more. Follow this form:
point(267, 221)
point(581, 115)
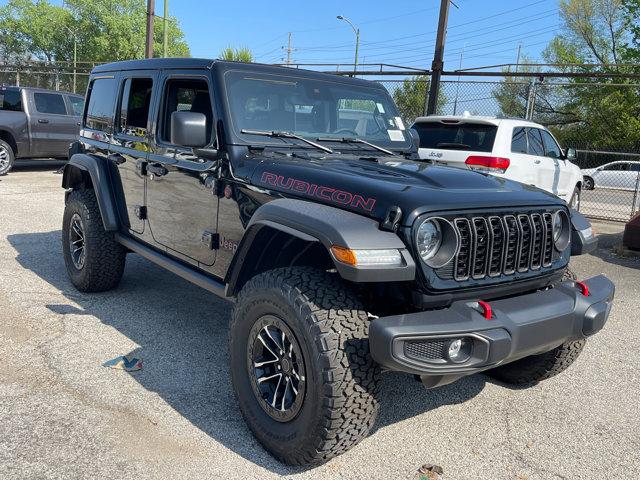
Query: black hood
point(371, 185)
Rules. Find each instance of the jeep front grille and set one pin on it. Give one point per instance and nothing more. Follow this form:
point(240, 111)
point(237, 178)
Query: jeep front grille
point(501, 245)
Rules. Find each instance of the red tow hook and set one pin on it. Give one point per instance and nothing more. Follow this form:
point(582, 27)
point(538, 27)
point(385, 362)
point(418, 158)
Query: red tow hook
point(486, 309)
point(583, 288)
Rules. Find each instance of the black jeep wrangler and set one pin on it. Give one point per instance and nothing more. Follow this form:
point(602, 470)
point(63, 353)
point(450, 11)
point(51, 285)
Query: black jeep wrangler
point(299, 196)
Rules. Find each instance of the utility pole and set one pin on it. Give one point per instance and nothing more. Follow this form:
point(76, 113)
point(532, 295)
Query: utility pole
point(455, 101)
point(289, 50)
point(148, 51)
point(165, 39)
point(437, 64)
point(518, 57)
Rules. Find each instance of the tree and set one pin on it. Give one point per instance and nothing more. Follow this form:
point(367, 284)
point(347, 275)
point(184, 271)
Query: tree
point(105, 30)
point(242, 54)
point(411, 95)
point(631, 9)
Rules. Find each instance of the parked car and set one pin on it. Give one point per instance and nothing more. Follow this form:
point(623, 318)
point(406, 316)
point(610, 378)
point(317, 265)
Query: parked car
point(509, 148)
point(37, 123)
point(342, 251)
point(624, 175)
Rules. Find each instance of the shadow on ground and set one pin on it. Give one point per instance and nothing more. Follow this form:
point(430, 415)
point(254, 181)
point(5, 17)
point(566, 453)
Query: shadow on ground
point(182, 332)
point(606, 243)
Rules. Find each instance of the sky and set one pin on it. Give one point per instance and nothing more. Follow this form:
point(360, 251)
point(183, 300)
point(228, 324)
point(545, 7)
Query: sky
point(400, 32)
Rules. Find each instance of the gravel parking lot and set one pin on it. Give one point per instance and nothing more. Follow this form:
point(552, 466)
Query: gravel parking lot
point(64, 415)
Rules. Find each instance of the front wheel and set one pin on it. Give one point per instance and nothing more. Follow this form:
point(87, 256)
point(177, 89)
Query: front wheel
point(7, 157)
point(300, 364)
point(574, 202)
point(531, 370)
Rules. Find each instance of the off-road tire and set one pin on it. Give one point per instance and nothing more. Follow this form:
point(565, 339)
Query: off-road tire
point(10, 157)
point(530, 370)
point(342, 380)
point(569, 275)
point(104, 257)
point(575, 198)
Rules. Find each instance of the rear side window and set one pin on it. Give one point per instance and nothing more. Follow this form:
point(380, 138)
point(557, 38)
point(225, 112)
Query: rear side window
point(463, 136)
point(77, 105)
point(100, 104)
point(186, 95)
point(51, 103)
point(535, 142)
point(134, 106)
point(519, 140)
point(10, 100)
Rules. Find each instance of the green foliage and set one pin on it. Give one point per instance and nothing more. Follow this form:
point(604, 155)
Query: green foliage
point(242, 54)
point(411, 97)
point(584, 112)
point(631, 13)
point(105, 30)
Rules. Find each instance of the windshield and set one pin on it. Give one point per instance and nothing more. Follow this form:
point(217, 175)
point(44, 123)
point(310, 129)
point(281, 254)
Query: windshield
point(313, 109)
point(476, 137)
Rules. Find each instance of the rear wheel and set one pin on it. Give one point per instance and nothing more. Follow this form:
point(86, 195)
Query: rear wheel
point(300, 364)
point(588, 183)
point(7, 157)
point(94, 260)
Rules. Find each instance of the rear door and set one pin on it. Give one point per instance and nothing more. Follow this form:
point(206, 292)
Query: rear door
point(52, 127)
point(130, 148)
point(451, 142)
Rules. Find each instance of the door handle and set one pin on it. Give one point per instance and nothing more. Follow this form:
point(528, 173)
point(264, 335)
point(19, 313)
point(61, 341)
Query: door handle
point(157, 170)
point(117, 158)
point(78, 124)
point(43, 120)
point(537, 161)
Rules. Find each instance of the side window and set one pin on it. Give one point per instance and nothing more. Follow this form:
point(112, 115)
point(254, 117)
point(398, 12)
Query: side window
point(10, 100)
point(519, 140)
point(101, 100)
point(535, 142)
point(134, 106)
point(190, 95)
point(51, 103)
point(551, 148)
point(615, 167)
point(77, 105)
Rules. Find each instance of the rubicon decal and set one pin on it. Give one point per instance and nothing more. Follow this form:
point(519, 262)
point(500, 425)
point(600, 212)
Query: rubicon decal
point(319, 191)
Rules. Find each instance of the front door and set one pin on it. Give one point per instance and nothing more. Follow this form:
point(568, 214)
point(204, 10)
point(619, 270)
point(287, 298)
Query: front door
point(130, 146)
point(182, 204)
point(52, 128)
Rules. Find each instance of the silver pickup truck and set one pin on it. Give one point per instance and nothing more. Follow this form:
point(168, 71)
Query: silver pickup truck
point(37, 123)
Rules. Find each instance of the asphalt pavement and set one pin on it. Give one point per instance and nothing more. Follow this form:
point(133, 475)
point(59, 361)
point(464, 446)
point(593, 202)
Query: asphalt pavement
point(64, 415)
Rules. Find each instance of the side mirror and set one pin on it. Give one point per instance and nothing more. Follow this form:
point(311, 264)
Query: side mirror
point(571, 154)
point(189, 129)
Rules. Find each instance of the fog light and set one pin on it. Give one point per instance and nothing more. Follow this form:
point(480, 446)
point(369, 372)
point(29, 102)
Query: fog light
point(459, 350)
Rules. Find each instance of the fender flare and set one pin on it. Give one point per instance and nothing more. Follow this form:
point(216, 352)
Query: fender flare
point(82, 168)
point(328, 225)
point(583, 240)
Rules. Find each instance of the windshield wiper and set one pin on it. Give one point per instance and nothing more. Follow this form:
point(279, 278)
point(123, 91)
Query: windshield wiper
point(461, 146)
point(355, 140)
point(276, 134)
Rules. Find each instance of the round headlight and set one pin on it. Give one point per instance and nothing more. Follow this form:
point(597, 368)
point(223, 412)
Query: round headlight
point(561, 230)
point(428, 239)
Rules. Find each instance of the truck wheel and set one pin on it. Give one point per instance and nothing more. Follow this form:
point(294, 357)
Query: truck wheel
point(531, 370)
point(7, 157)
point(574, 202)
point(94, 260)
point(300, 364)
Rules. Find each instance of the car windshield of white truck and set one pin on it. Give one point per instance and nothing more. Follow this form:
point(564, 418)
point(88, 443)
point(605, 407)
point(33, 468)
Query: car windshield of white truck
point(10, 100)
point(313, 109)
point(475, 137)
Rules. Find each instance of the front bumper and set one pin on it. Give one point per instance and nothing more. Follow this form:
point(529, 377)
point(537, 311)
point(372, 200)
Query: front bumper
point(520, 326)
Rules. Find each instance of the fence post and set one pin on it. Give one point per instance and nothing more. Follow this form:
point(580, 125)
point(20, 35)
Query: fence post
point(17, 78)
point(634, 206)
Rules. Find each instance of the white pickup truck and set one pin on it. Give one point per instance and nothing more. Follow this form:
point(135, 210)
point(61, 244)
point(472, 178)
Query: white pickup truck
point(511, 148)
point(37, 123)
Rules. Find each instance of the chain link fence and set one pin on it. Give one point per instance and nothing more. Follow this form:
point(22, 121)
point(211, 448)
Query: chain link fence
point(600, 120)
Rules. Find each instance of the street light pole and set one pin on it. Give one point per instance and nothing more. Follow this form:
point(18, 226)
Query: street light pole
point(165, 44)
point(75, 56)
point(357, 32)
